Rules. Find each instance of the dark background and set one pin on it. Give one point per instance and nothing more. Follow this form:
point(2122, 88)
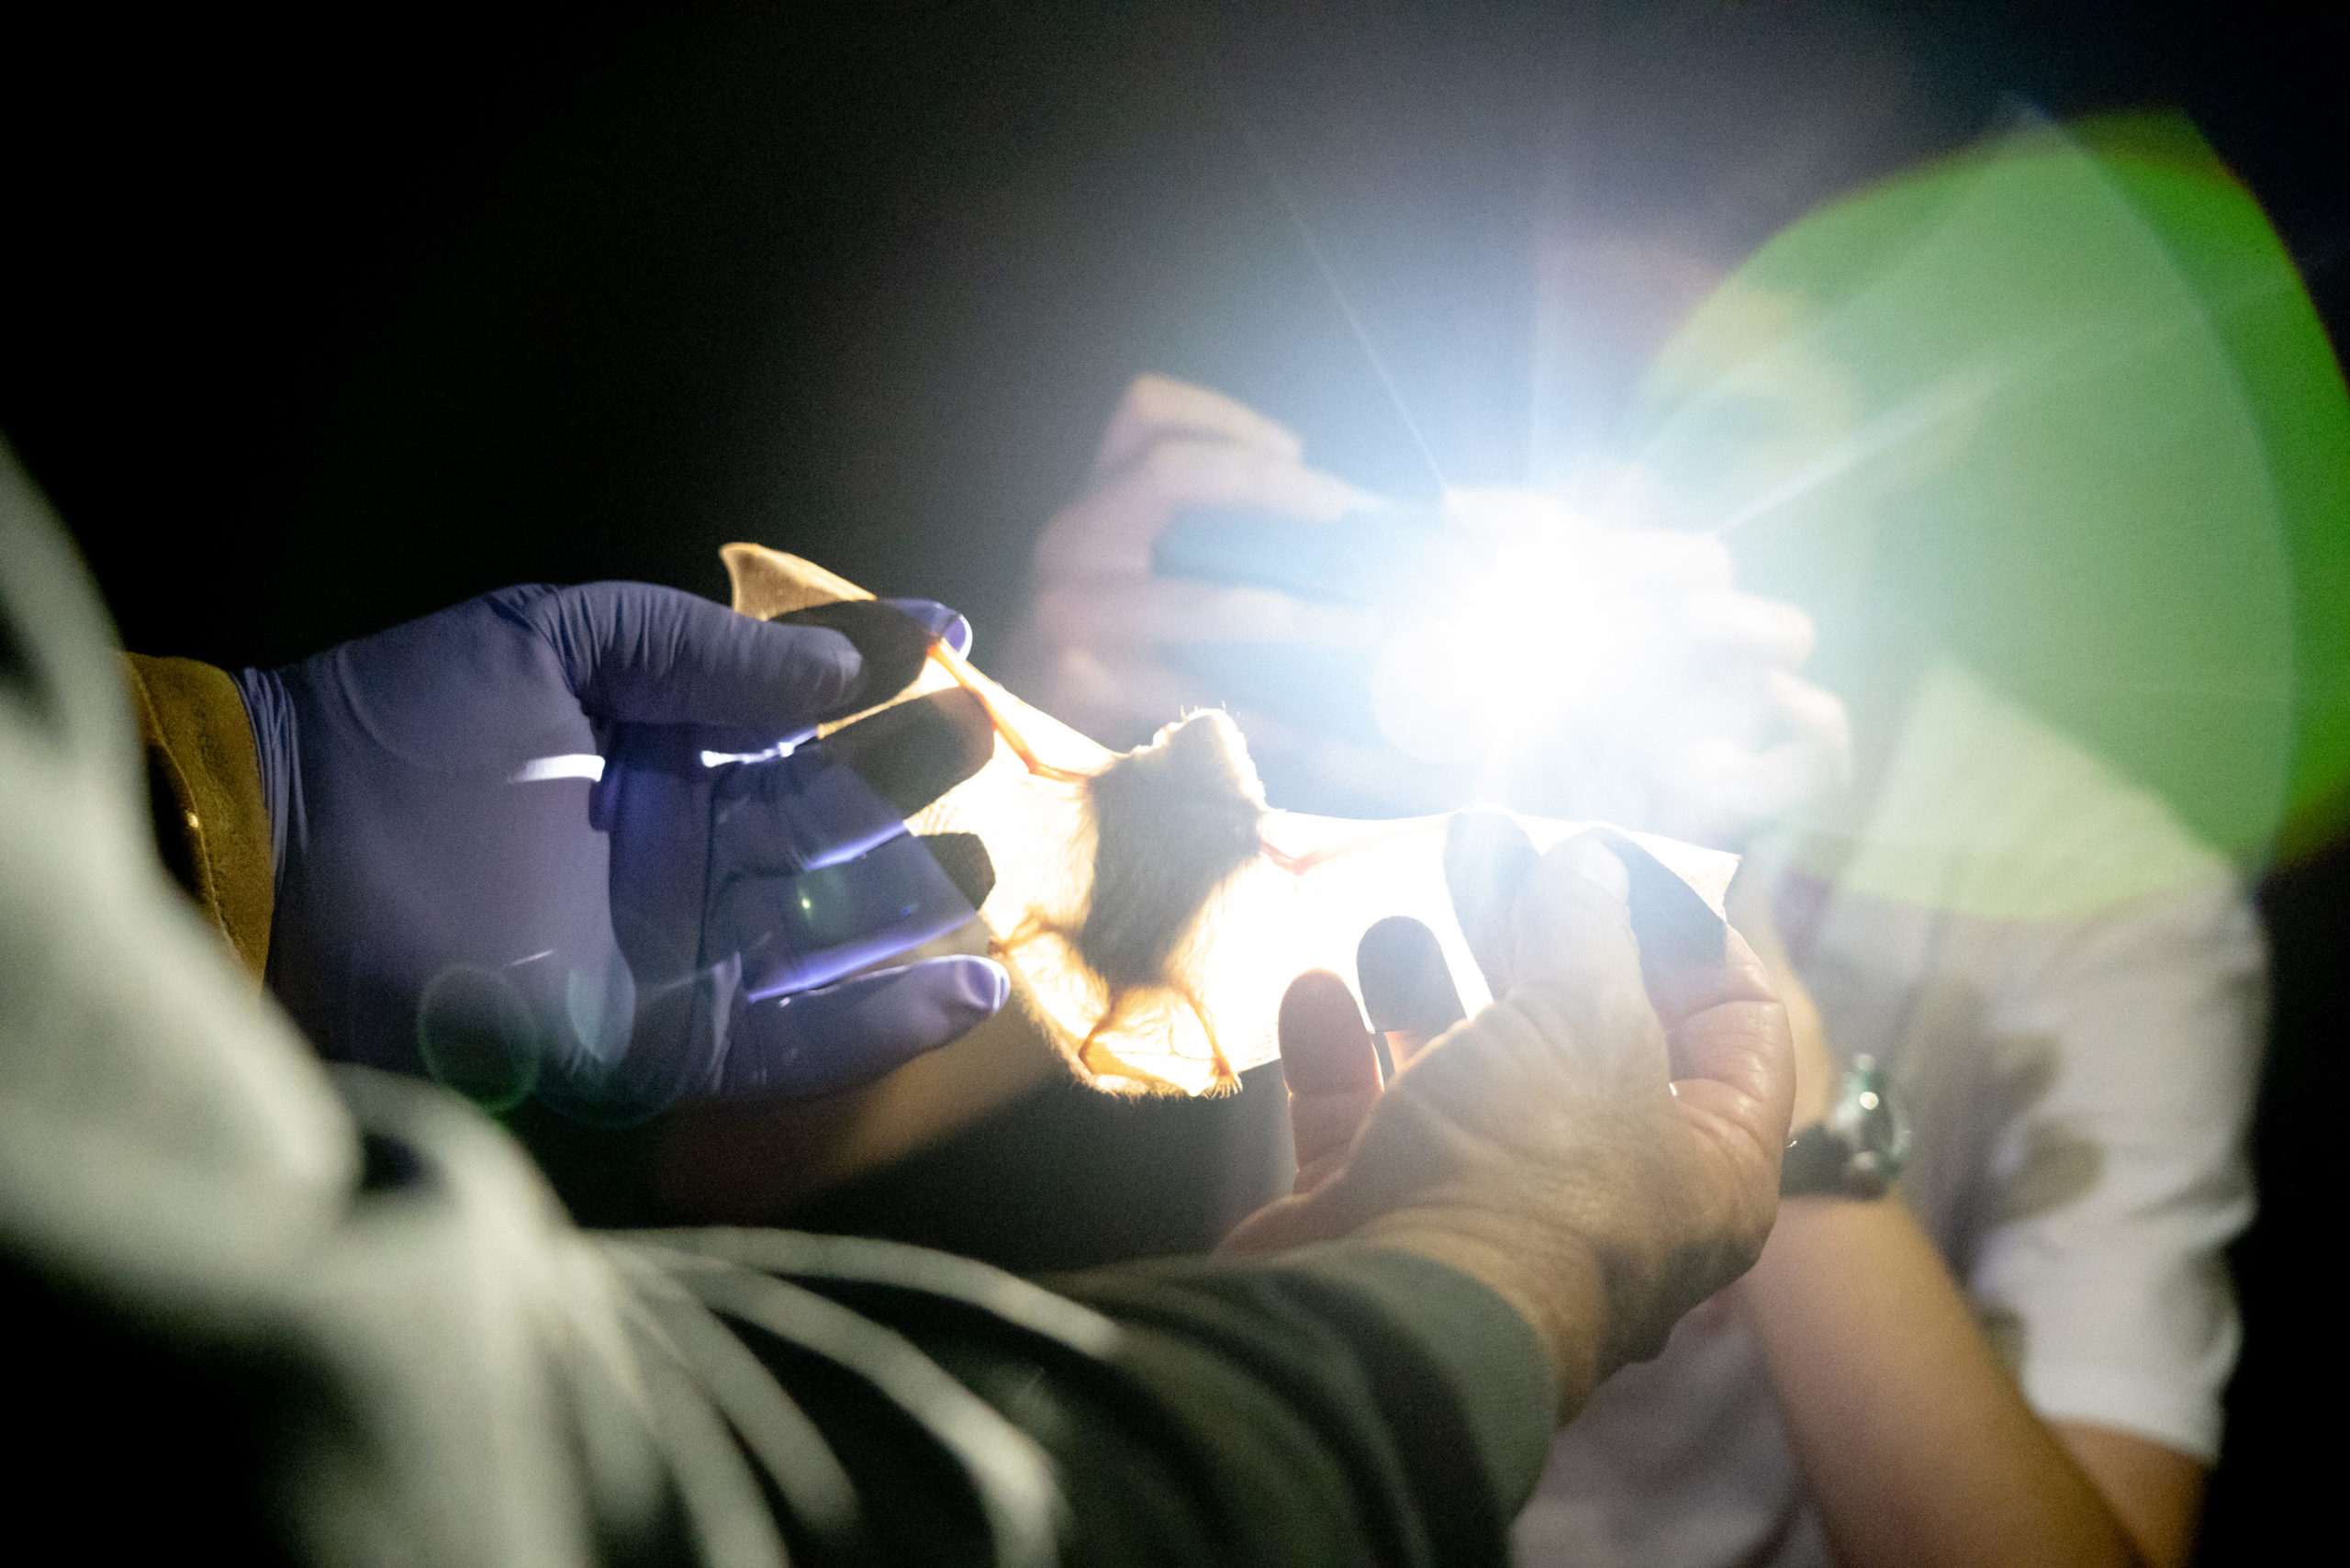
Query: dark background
point(308, 328)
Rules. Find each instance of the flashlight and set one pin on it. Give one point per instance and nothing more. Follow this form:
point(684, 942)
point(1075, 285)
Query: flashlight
point(1383, 558)
point(1472, 636)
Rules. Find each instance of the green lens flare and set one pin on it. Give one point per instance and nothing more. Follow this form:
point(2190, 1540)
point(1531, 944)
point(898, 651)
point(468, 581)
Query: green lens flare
point(2050, 441)
point(475, 1034)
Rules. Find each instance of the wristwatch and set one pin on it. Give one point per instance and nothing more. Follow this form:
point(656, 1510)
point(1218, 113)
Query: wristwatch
point(1854, 1151)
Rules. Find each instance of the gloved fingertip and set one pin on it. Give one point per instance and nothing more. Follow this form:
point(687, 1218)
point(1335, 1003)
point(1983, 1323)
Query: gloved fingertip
point(891, 644)
point(983, 984)
point(821, 1042)
point(965, 859)
point(943, 622)
point(915, 752)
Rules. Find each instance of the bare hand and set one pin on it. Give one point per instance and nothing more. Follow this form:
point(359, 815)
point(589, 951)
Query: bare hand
point(1751, 910)
point(1605, 1154)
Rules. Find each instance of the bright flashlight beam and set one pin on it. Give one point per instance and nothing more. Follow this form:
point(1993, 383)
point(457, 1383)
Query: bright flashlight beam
point(1896, 428)
point(1337, 291)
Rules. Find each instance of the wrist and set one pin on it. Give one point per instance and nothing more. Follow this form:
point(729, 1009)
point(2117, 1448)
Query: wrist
point(269, 714)
point(1855, 1149)
point(1817, 1242)
point(1550, 1281)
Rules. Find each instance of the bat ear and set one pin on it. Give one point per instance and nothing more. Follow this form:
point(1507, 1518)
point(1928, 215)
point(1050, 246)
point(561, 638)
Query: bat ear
point(768, 583)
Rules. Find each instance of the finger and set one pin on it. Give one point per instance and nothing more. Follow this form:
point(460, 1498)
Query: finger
point(1145, 611)
point(1758, 786)
point(1727, 1034)
point(1157, 406)
point(965, 859)
point(1107, 530)
point(1406, 986)
point(892, 643)
point(1679, 933)
point(1735, 1056)
point(1326, 1126)
point(1817, 721)
point(821, 1042)
point(1331, 1066)
point(634, 653)
point(1487, 857)
point(915, 752)
point(810, 928)
point(1571, 925)
point(1727, 620)
point(947, 625)
point(833, 799)
point(1689, 959)
point(1723, 777)
point(1305, 1217)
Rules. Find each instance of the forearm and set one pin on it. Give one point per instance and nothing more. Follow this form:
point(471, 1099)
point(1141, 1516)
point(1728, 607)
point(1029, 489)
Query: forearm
point(1346, 1402)
point(1914, 1440)
point(1341, 1405)
point(1568, 1310)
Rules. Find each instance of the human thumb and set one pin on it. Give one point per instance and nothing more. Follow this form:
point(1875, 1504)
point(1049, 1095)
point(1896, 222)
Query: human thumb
point(1570, 926)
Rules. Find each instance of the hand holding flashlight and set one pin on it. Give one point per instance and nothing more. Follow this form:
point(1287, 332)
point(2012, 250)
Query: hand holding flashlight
point(1104, 638)
point(1390, 658)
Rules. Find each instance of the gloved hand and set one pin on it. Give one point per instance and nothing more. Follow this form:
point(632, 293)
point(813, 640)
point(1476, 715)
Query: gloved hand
point(580, 841)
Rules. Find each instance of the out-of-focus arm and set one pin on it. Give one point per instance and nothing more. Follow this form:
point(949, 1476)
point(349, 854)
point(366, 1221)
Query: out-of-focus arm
point(1342, 1403)
point(1914, 1441)
point(1918, 1441)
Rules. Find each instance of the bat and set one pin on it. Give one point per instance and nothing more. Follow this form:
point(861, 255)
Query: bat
point(1150, 905)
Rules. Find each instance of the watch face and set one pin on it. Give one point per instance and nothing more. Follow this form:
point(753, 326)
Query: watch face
point(1857, 1149)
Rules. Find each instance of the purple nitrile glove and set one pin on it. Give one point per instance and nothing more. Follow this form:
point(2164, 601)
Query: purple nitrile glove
point(580, 841)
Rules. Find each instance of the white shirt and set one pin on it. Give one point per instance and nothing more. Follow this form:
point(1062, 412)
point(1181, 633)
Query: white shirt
point(2066, 990)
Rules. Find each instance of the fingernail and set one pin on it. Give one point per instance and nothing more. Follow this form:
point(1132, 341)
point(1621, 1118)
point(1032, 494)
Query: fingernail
point(1586, 856)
